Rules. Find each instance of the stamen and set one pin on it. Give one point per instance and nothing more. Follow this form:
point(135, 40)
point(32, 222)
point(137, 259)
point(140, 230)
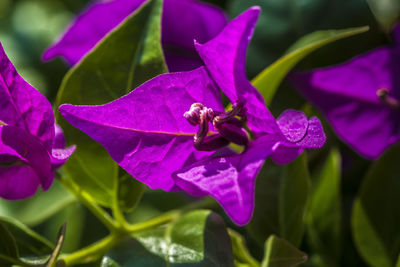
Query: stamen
point(237, 110)
point(212, 143)
point(383, 95)
point(2, 123)
point(233, 132)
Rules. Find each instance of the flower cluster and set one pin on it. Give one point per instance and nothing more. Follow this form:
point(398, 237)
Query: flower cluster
point(31, 145)
point(172, 132)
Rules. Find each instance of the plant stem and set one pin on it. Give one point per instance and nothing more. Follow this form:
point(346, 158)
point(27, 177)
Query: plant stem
point(162, 219)
point(92, 252)
point(83, 197)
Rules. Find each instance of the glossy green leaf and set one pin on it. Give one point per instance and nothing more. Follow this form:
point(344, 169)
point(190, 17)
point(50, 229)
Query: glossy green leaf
point(280, 253)
point(281, 198)
point(376, 213)
point(324, 212)
point(30, 211)
point(108, 262)
point(241, 254)
point(198, 238)
point(28, 242)
point(387, 12)
point(268, 81)
point(126, 57)
point(293, 199)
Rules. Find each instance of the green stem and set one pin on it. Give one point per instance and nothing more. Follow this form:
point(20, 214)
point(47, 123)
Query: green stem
point(92, 252)
point(83, 197)
point(162, 219)
point(116, 209)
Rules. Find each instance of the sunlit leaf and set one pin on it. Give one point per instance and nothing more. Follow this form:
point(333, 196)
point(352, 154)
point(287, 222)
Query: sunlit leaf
point(387, 12)
point(198, 238)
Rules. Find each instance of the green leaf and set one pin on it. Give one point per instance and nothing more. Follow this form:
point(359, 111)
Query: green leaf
point(324, 217)
point(387, 12)
point(198, 238)
point(8, 246)
point(376, 213)
point(129, 192)
point(28, 242)
point(293, 200)
point(108, 262)
point(242, 256)
point(126, 57)
point(30, 211)
point(280, 253)
point(268, 81)
point(281, 197)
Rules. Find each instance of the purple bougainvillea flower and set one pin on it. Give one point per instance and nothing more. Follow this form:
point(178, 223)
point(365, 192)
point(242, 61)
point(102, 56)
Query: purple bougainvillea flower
point(182, 21)
point(150, 131)
point(30, 147)
point(360, 98)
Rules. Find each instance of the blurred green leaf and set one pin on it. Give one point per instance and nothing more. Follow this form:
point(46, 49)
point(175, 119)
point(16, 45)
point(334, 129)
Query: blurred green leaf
point(198, 238)
point(126, 57)
point(8, 246)
point(242, 256)
point(293, 199)
point(387, 12)
point(281, 198)
point(324, 212)
point(31, 212)
point(376, 212)
point(280, 253)
point(28, 242)
point(268, 81)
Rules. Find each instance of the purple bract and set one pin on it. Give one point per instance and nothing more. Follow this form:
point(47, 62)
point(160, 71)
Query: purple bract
point(182, 21)
point(150, 131)
point(360, 98)
point(31, 146)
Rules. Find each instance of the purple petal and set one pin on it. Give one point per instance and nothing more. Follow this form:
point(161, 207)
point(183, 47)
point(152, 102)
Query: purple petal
point(23, 106)
point(59, 139)
point(225, 58)
point(28, 153)
point(229, 178)
point(90, 27)
point(346, 94)
point(293, 124)
point(60, 155)
point(145, 131)
point(17, 182)
point(197, 20)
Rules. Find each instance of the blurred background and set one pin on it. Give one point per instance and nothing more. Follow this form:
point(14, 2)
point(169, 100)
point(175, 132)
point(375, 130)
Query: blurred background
point(28, 27)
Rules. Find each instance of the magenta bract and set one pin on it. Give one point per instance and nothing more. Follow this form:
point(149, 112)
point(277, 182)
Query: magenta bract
point(30, 146)
point(360, 98)
point(150, 131)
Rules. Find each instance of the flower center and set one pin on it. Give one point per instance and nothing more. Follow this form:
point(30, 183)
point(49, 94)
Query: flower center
point(2, 123)
point(229, 125)
point(388, 100)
